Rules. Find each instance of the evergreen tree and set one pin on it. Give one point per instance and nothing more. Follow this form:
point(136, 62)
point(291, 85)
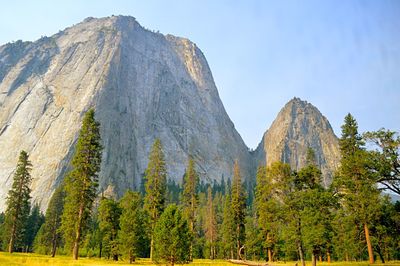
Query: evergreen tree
point(316, 210)
point(239, 209)
point(172, 237)
point(190, 198)
point(355, 180)
point(18, 205)
point(254, 241)
point(133, 223)
point(49, 235)
point(81, 183)
point(228, 228)
point(109, 216)
point(268, 208)
point(35, 221)
point(156, 178)
point(211, 225)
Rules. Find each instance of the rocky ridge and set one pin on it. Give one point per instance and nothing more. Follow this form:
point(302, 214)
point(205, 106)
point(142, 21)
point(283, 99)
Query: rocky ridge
point(297, 127)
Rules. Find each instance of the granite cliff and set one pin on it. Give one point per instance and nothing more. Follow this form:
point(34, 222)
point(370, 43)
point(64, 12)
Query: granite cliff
point(299, 126)
point(143, 85)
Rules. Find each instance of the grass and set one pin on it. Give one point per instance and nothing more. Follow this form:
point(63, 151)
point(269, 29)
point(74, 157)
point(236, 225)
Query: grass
point(18, 259)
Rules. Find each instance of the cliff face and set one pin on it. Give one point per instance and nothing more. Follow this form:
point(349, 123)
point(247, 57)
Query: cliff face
point(143, 85)
point(299, 126)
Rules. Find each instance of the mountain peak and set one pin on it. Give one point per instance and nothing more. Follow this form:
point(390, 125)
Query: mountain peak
point(143, 85)
point(299, 126)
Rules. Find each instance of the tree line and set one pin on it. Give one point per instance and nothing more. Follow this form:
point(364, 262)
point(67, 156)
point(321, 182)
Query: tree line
point(286, 215)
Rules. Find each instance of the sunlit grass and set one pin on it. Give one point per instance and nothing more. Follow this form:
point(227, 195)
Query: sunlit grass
point(18, 259)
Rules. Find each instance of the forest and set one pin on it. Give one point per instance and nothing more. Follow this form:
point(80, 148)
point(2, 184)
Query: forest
point(278, 215)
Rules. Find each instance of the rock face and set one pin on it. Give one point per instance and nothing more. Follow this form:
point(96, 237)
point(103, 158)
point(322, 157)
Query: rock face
point(299, 126)
point(143, 85)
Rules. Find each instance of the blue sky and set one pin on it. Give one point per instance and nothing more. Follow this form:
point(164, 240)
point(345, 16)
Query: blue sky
point(342, 56)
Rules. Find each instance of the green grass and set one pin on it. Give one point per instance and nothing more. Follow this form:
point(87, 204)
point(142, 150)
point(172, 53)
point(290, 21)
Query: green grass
point(18, 259)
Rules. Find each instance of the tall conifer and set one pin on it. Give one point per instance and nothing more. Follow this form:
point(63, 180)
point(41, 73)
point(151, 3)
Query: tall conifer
point(156, 180)
point(239, 208)
point(190, 198)
point(81, 183)
point(355, 181)
point(18, 204)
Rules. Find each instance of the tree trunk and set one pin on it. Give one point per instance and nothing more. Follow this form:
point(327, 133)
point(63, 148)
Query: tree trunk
point(328, 257)
point(346, 256)
point(192, 231)
point(54, 242)
point(369, 245)
point(12, 238)
point(313, 259)
point(54, 247)
point(238, 241)
point(320, 258)
point(269, 254)
point(75, 252)
point(301, 254)
point(380, 254)
point(131, 257)
point(151, 248)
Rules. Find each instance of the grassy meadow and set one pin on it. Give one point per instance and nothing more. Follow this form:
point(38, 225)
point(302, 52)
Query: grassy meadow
point(18, 259)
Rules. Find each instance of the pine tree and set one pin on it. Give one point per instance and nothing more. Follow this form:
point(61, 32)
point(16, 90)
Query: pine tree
point(81, 183)
point(156, 179)
point(228, 228)
point(18, 204)
point(109, 216)
point(190, 197)
point(35, 221)
point(211, 225)
point(239, 209)
point(172, 237)
point(49, 236)
point(316, 210)
point(268, 208)
point(355, 181)
point(133, 223)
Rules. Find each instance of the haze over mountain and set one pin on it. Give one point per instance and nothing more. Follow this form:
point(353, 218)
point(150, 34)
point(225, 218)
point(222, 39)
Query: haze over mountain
point(143, 85)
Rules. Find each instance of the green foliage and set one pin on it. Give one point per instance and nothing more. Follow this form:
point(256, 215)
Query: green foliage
point(355, 181)
point(18, 206)
point(156, 178)
point(228, 229)
point(238, 209)
point(35, 221)
point(385, 159)
point(190, 197)
point(133, 223)
point(189, 194)
point(210, 226)
point(254, 241)
point(81, 183)
point(49, 236)
point(109, 215)
point(268, 205)
point(174, 192)
point(172, 237)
